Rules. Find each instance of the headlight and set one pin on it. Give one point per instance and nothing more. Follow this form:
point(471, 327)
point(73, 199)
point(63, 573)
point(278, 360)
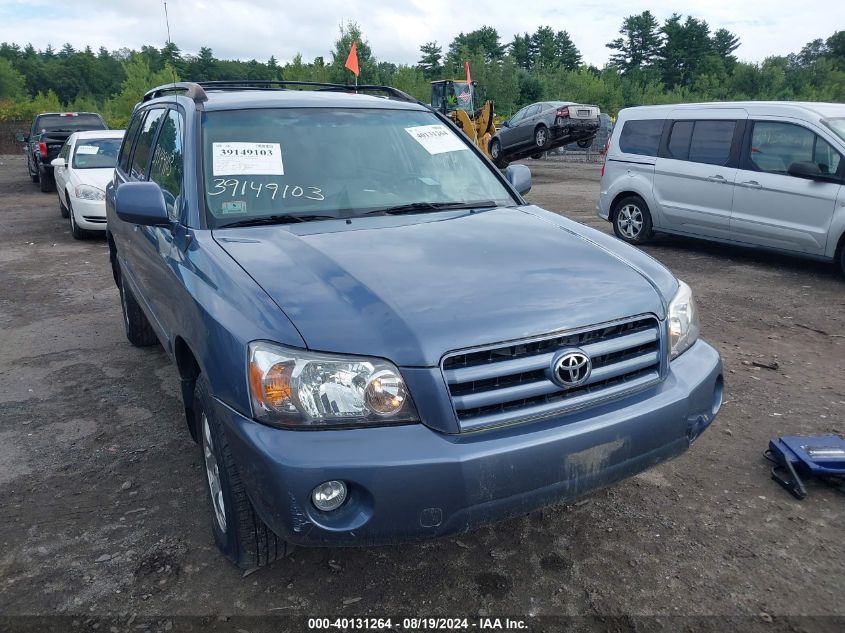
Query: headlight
point(87, 192)
point(296, 388)
point(683, 321)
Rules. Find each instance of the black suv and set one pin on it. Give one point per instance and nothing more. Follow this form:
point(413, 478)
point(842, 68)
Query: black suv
point(49, 132)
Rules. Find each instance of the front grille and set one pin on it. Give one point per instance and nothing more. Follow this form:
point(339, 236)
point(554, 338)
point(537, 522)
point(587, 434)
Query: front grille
point(511, 383)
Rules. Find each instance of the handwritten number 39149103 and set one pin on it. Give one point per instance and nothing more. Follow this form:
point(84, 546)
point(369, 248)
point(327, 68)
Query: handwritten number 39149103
point(236, 186)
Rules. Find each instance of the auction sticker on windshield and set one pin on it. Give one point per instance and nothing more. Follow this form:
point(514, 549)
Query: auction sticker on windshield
point(253, 159)
point(436, 139)
point(87, 149)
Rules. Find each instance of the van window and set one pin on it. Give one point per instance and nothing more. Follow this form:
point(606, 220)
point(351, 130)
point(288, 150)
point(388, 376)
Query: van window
point(711, 142)
point(679, 139)
point(775, 146)
point(641, 137)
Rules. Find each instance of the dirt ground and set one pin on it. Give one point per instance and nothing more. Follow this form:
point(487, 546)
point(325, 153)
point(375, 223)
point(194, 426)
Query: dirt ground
point(103, 508)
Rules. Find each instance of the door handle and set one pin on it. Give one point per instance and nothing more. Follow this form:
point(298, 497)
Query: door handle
point(717, 178)
point(751, 184)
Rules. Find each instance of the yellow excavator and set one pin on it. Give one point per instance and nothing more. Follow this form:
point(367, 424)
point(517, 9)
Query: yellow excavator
point(455, 98)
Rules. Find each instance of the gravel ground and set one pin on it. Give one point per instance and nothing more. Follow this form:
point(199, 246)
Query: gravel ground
point(104, 518)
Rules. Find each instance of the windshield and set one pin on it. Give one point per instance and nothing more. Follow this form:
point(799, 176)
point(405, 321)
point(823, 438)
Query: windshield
point(336, 163)
point(837, 125)
point(96, 153)
point(70, 122)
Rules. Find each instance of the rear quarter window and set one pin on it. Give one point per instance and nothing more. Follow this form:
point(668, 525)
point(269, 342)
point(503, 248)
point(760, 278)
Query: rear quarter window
point(641, 137)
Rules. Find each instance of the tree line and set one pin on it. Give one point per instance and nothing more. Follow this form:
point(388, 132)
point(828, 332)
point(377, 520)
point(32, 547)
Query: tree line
point(682, 59)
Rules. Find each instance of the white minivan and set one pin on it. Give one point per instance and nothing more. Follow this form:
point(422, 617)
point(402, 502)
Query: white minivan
point(760, 174)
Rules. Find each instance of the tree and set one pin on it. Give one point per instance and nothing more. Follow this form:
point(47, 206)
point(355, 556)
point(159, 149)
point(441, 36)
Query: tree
point(12, 83)
point(567, 53)
point(639, 46)
point(685, 51)
point(203, 67)
point(351, 32)
point(485, 41)
point(724, 43)
point(430, 55)
point(139, 79)
point(520, 50)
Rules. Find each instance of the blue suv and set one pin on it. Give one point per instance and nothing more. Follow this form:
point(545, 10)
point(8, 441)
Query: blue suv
point(378, 338)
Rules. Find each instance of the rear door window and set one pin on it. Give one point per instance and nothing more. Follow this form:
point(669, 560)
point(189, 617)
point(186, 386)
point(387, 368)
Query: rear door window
point(679, 139)
point(711, 142)
point(141, 155)
point(128, 140)
point(641, 137)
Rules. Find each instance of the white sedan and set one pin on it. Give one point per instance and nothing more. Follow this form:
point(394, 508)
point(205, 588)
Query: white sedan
point(82, 170)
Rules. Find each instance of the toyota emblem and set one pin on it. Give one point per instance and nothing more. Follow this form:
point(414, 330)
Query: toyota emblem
point(571, 369)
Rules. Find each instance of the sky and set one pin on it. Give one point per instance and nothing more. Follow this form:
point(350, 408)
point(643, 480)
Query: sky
point(395, 29)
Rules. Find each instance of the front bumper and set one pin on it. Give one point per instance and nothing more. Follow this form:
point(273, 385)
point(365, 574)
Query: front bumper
point(89, 214)
point(411, 482)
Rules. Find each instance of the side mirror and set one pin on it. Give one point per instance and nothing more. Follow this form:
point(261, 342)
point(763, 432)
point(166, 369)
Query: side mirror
point(506, 124)
point(805, 169)
point(58, 162)
point(141, 203)
point(20, 137)
point(519, 177)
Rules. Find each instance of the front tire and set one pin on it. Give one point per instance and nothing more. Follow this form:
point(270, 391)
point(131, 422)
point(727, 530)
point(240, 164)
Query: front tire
point(584, 144)
point(541, 137)
point(842, 259)
point(632, 220)
point(78, 233)
point(62, 208)
point(239, 532)
point(138, 329)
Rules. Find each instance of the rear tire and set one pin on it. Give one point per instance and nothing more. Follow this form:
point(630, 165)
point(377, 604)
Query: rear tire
point(584, 144)
point(138, 329)
point(45, 182)
point(537, 155)
point(239, 532)
point(541, 137)
point(632, 220)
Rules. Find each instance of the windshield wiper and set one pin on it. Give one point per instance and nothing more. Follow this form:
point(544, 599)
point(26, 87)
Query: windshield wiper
point(282, 218)
point(421, 207)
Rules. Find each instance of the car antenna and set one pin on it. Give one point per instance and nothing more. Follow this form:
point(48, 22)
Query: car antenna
point(169, 41)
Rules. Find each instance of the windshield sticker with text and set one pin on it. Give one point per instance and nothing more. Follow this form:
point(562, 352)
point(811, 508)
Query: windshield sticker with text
point(436, 139)
point(253, 159)
point(87, 149)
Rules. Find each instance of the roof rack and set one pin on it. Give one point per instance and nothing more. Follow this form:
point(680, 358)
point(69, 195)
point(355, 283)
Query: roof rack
point(197, 90)
point(191, 89)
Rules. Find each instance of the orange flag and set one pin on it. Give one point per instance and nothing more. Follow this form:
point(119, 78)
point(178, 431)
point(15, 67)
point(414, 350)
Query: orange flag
point(352, 60)
point(469, 79)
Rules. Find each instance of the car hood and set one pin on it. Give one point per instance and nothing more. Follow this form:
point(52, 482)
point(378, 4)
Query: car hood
point(411, 288)
point(98, 178)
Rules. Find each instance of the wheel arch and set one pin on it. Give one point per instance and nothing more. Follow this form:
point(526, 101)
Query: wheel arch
point(622, 195)
point(189, 370)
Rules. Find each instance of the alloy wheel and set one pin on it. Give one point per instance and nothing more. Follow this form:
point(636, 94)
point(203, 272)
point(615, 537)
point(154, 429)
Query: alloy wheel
point(630, 221)
point(213, 475)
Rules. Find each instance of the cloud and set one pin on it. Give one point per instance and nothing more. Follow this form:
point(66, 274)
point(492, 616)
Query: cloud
point(247, 29)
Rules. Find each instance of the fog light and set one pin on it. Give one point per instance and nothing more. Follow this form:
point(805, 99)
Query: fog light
point(329, 495)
